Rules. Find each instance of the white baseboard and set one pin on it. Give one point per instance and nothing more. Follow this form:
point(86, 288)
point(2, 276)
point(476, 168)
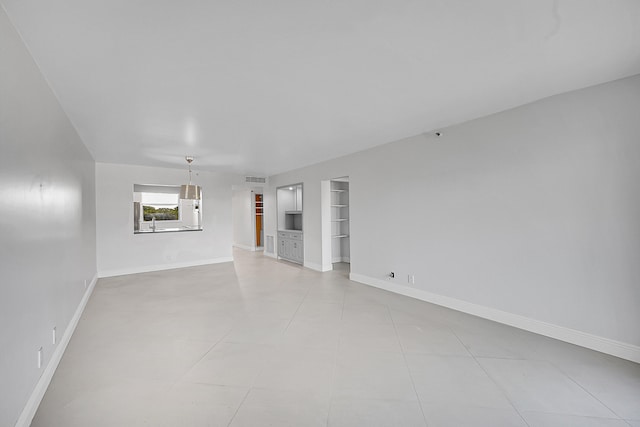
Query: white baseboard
point(341, 259)
point(604, 345)
point(149, 268)
point(31, 407)
point(318, 267)
point(271, 255)
point(245, 247)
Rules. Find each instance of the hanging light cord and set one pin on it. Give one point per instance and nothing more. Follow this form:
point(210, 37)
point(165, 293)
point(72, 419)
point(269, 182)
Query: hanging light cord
point(189, 159)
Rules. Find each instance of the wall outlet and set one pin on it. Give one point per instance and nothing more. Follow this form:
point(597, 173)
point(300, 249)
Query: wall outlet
point(53, 336)
point(85, 283)
point(40, 358)
point(411, 279)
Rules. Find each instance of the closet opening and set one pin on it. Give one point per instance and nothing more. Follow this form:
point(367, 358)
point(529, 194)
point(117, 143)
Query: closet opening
point(340, 224)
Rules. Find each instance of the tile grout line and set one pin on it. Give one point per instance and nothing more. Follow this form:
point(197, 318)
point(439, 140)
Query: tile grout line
point(257, 375)
point(504, 393)
point(335, 360)
point(586, 391)
point(239, 406)
point(406, 364)
point(221, 339)
point(591, 417)
point(297, 309)
point(251, 386)
point(198, 361)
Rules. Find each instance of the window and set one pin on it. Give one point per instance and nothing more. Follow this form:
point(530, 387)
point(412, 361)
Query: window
point(160, 206)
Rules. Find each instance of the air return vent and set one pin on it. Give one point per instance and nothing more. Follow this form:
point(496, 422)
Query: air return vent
point(255, 179)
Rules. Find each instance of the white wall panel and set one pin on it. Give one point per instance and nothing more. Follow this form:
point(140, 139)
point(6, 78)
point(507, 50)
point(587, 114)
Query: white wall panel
point(47, 225)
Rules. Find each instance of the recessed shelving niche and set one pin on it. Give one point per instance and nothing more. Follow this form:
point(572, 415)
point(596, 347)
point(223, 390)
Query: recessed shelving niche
point(340, 221)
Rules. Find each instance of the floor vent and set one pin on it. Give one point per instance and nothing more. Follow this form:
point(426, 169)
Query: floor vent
point(255, 179)
point(270, 244)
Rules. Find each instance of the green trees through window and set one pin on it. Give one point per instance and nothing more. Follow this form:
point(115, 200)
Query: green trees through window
point(160, 213)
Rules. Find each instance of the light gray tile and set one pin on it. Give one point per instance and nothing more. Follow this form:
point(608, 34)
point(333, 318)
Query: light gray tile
point(268, 306)
point(351, 412)
point(312, 334)
point(366, 313)
point(257, 330)
point(614, 382)
point(265, 407)
point(373, 336)
point(539, 419)
point(312, 310)
point(539, 386)
point(127, 402)
point(374, 375)
point(331, 292)
point(233, 364)
point(431, 339)
point(143, 357)
point(299, 369)
point(471, 416)
point(410, 311)
point(188, 404)
point(454, 380)
point(484, 338)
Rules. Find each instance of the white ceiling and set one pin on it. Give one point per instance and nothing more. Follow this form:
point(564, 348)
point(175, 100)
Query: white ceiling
point(261, 87)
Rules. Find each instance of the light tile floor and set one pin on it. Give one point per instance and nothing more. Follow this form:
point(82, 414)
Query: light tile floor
point(259, 342)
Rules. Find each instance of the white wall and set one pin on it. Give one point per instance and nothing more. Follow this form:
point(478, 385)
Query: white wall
point(119, 251)
point(243, 222)
point(531, 212)
point(47, 249)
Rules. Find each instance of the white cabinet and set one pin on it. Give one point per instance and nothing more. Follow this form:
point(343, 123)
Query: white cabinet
point(290, 238)
point(290, 246)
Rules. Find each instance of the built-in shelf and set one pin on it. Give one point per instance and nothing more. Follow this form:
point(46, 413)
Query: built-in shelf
point(339, 203)
point(289, 208)
point(293, 220)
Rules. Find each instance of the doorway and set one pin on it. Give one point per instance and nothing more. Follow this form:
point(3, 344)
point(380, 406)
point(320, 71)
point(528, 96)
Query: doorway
point(259, 211)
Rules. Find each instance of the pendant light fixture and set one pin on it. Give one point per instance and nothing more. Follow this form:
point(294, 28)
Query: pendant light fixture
point(190, 191)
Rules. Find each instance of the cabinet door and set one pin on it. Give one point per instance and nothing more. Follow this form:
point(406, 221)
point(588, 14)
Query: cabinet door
point(297, 251)
point(287, 249)
point(281, 244)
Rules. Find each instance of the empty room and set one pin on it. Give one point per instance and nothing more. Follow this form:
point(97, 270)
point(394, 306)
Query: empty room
point(391, 213)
